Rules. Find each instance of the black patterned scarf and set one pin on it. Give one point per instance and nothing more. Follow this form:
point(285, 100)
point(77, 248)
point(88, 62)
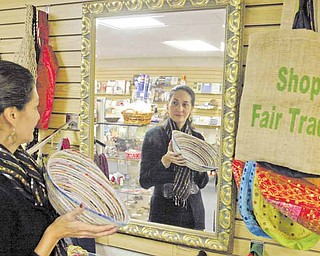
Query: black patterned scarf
point(183, 175)
point(27, 178)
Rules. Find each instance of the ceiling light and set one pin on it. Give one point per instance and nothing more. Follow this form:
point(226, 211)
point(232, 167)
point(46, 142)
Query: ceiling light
point(192, 45)
point(131, 22)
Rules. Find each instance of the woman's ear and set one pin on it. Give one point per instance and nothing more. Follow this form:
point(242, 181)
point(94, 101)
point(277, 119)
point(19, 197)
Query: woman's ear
point(10, 115)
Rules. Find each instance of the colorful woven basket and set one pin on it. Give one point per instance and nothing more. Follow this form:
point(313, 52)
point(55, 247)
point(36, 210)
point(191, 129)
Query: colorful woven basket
point(73, 178)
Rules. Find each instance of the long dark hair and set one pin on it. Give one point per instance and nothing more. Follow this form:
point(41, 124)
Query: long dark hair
point(16, 85)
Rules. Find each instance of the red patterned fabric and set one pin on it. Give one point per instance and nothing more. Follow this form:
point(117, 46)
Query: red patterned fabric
point(47, 73)
point(297, 198)
point(237, 169)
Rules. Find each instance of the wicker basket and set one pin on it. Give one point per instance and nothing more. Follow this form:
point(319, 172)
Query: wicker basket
point(131, 116)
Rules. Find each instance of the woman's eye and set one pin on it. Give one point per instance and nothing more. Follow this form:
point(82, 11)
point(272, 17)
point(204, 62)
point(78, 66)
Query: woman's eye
point(175, 103)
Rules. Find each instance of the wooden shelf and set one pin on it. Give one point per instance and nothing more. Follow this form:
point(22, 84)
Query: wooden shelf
point(112, 95)
point(200, 93)
point(116, 158)
point(123, 124)
point(206, 126)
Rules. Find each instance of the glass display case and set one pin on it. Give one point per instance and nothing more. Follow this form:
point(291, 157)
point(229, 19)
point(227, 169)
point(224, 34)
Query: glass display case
point(121, 144)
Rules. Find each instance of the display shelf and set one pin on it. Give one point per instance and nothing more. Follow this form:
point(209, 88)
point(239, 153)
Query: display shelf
point(123, 124)
point(115, 96)
point(114, 158)
point(137, 201)
point(206, 126)
point(120, 138)
point(208, 93)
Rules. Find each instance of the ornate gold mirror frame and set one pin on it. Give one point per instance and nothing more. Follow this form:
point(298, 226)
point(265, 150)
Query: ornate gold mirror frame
point(222, 239)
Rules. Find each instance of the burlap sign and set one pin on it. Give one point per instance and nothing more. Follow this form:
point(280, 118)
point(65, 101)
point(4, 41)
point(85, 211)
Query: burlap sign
point(279, 118)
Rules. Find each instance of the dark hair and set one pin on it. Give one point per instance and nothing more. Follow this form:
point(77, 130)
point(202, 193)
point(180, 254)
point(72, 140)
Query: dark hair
point(16, 85)
point(186, 89)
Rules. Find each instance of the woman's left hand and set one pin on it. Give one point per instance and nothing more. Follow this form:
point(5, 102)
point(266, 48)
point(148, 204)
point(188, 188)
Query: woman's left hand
point(173, 157)
point(68, 225)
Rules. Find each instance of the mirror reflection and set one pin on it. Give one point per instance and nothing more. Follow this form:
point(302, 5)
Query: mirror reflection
point(135, 70)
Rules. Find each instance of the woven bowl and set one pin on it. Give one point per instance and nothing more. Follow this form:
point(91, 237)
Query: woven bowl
point(200, 155)
point(112, 119)
point(73, 178)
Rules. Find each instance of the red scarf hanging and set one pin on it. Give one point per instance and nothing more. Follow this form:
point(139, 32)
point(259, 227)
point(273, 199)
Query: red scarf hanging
point(47, 73)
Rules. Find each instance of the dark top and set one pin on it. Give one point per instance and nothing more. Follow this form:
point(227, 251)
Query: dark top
point(22, 224)
point(153, 173)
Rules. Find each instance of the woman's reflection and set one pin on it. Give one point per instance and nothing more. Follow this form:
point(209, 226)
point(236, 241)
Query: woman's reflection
point(176, 198)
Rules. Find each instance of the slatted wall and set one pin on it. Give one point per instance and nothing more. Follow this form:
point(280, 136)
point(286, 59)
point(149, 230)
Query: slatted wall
point(262, 15)
point(65, 37)
point(193, 74)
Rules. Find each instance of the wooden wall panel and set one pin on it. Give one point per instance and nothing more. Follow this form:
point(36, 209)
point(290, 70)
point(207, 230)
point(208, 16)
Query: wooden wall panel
point(65, 27)
point(261, 2)
point(9, 57)
point(9, 45)
point(12, 16)
point(57, 120)
point(67, 11)
point(66, 43)
point(12, 31)
point(69, 74)
point(69, 59)
point(267, 15)
point(66, 106)
point(72, 136)
point(69, 90)
point(65, 38)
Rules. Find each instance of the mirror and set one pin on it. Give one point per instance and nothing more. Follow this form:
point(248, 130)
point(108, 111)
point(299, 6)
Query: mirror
point(104, 48)
point(143, 55)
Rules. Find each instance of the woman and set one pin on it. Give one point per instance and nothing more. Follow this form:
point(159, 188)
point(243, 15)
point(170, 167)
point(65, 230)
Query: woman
point(29, 224)
point(176, 198)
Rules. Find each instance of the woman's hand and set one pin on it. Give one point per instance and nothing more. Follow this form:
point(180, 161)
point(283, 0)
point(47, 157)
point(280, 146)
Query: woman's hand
point(172, 157)
point(67, 225)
